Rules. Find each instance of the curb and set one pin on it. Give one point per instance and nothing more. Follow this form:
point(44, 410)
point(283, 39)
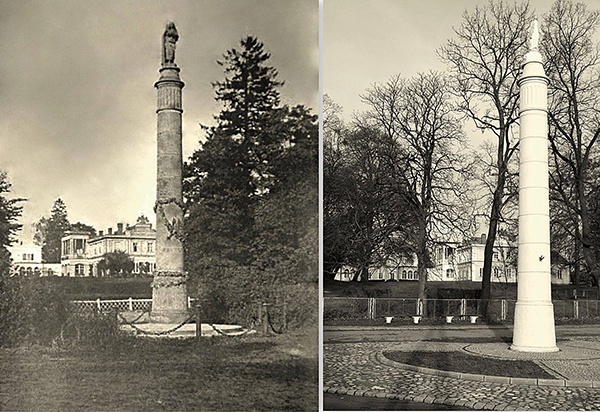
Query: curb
point(403, 327)
point(440, 400)
point(378, 356)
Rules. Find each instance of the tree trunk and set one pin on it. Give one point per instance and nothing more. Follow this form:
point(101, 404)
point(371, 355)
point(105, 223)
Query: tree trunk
point(588, 253)
point(422, 266)
point(364, 274)
point(488, 253)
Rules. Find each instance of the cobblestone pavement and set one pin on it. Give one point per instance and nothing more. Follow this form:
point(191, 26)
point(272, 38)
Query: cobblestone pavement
point(353, 369)
point(576, 361)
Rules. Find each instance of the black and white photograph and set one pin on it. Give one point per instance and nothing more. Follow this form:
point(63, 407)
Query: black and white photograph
point(159, 205)
point(461, 205)
point(299, 205)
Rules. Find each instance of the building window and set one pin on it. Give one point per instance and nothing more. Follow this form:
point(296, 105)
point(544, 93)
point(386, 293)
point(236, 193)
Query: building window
point(66, 247)
point(79, 269)
point(480, 272)
point(449, 273)
point(150, 247)
point(135, 247)
point(27, 257)
point(496, 256)
point(497, 272)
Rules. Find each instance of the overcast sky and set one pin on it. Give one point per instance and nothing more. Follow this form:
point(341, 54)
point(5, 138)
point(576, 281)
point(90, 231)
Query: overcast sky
point(368, 41)
point(77, 97)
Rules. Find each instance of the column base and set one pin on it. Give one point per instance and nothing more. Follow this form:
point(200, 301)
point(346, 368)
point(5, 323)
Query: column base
point(168, 317)
point(539, 349)
point(534, 327)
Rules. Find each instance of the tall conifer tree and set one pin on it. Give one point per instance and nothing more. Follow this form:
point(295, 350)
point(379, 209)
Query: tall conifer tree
point(49, 231)
point(251, 189)
point(229, 171)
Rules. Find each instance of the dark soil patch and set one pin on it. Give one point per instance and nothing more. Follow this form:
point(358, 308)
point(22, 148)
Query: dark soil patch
point(464, 363)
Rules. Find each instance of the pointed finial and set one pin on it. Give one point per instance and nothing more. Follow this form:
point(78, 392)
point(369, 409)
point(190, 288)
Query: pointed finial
point(535, 34)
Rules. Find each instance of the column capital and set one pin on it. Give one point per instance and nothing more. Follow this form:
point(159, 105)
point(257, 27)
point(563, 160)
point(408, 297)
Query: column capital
point(169, 76)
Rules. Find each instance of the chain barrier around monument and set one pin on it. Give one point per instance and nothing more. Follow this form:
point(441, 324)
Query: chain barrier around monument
point(192, 319)
point(161, 333)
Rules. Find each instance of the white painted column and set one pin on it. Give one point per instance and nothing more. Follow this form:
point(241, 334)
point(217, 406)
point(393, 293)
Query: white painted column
point(534, 313)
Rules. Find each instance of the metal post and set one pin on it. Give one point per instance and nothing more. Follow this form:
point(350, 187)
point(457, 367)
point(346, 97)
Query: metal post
point(371, 308)
point(266, 318)
point(198, 323)
point(419, 307)
point(284, 313)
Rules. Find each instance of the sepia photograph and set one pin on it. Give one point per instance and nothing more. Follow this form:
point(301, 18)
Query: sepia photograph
point(159, 205)
point(460, 210)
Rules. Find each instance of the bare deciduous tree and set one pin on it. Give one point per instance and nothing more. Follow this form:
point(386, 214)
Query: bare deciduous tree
point(418, 115)
point(572, 61)
point(484, 58)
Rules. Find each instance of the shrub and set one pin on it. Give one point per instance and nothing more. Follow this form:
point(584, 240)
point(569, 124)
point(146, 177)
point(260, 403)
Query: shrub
point(90, 329)
point(36, 311)
point(32, 310)
point(234, 294)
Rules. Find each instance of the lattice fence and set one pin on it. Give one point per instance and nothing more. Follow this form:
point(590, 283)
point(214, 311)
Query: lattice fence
point(121, 305)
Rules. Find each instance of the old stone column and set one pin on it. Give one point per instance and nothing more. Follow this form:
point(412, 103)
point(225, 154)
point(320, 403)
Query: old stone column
point(169, 294)
point(534, 313)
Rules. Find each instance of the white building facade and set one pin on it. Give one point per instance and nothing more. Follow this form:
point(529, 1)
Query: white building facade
point(454, 261)
point(82, 253)
point(26, 260)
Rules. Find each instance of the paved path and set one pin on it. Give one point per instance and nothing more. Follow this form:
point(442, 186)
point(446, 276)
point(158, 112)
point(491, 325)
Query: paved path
point(440, 332)
point(354, 369)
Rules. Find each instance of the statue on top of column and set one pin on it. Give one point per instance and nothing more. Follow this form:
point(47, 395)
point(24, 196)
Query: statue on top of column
point(535, 31)
point(170, 38)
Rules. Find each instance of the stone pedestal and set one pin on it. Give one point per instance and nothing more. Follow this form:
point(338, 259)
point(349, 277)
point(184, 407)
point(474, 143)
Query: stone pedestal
point(169, 294)
point(534, 313)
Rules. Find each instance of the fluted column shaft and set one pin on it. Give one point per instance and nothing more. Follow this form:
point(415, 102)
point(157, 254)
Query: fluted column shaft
point(534, 313)
point(169, 295)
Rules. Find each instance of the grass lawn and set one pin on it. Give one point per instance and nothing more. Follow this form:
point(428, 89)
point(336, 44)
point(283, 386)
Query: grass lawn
point(465, 363)
point(229, 374)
